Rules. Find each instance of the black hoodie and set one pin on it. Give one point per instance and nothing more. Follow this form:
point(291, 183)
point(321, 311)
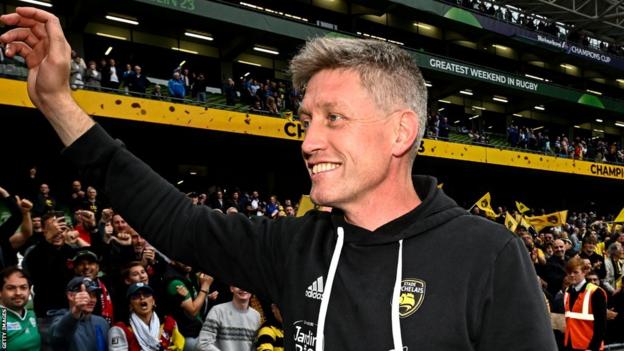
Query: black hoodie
point(464, 283)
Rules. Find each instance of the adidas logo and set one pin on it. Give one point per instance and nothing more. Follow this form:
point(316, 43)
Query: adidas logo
point(315, 291)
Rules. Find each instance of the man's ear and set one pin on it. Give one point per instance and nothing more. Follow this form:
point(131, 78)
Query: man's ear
point(406, 132)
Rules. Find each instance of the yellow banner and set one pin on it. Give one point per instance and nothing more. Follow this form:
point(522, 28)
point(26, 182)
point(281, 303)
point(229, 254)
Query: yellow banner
point(548, 220)
point(510, 222)
point(305, 205)
point(522, 208)
point(620, 217)
point(485, 205)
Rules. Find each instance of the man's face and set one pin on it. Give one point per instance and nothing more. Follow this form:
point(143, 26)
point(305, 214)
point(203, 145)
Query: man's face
point(577, 275)
point(137, 274)
point(548, 238)
point(15, 292)
point(76, 186)
point(119, 224)
point(87, 268)
point(138, 242)
point(36, 223)
point(348, 141)
point(44, 189)
point(588, 248)
point(91, 193)
point(593, 278)
point(240, 294)
point(559, 248)
point(290, 211)
point(53, 231)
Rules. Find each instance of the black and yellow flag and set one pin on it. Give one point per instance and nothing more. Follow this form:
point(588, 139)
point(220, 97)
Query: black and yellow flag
point(305, 205)
point(485, 205)
point(548, 220)
point(620, 217)
point(522, 208)
point(510, 222)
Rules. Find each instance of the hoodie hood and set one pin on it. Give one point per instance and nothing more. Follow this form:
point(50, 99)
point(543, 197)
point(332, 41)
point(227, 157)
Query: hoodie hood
point(435, 209)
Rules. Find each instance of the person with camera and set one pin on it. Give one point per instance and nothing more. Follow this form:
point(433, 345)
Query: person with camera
point(46, 264)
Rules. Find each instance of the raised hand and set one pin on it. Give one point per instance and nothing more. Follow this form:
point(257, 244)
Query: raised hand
point(24, 204)
point(79, 302)
point(40, 41)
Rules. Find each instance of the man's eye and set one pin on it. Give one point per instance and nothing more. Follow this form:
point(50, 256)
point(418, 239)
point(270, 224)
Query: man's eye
point(334, 117)
point(305, 123)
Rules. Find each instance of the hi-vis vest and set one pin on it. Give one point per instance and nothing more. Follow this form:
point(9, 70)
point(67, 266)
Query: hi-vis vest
point(580, 318)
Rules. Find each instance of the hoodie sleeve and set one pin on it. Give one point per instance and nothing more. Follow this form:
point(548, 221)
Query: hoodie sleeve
point(231, 247)
point(515, 315)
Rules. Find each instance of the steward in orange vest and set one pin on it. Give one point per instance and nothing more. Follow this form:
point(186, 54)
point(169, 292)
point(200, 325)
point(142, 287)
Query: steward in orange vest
point(585, 311)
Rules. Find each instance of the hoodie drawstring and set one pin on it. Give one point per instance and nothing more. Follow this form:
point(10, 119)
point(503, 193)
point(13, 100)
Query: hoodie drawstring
point(396, 296)
point(320, 327)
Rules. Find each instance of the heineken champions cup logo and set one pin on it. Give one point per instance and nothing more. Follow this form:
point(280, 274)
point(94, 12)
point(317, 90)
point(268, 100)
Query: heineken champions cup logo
point(412, 296)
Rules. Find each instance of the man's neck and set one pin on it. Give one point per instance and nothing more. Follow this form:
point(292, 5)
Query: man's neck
point(374, 210)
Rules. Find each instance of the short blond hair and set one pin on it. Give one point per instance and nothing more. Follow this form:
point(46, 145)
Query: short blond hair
point(387, 72)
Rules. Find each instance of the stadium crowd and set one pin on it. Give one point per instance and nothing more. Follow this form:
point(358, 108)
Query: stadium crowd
point(88, 281)
point(518, 136)
point(539, 23)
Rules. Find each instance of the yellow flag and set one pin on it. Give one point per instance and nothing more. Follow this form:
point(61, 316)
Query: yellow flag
point(305, 205)
point(441, 185)
point(548, 220)
point(523, 222)
point(510, 222)
point(620, 217)
point(485, 205)
point(522, 208)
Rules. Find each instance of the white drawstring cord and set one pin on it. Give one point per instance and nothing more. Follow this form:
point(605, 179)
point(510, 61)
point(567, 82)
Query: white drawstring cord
point(320, 327)
point(396, 295)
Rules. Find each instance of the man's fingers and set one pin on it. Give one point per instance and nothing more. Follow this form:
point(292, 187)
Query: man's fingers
point(58, 45)
point(14, 19)
point(18, 48)
point(83, 288)
point(20, 34)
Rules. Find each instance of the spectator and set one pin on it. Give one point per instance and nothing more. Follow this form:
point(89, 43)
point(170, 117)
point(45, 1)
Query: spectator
point(77, 196)
point(46, 264)
point(585, 326)
point(176, 86)
point(230, 326)
point(77, 71)
point(44, 202)
point(271, 334)
point(93, 77)
point(21, 333)
point(127, 77)
point(185, 302)
point(199, 88)
point(86, 264)
point(144, 330)
point(230, 92)
point(157, 93)
point(138, 81)
point(111, 75)
point(77, 328)
point(613, 270)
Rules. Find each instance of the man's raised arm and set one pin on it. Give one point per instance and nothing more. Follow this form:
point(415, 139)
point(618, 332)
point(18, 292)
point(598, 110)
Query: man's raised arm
point(39, 39)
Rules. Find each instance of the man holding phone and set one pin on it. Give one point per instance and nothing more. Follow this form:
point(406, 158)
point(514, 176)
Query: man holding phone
point(46, 264)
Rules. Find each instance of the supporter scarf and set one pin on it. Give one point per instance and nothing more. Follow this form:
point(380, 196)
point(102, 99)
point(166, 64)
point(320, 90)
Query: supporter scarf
point(147, 336)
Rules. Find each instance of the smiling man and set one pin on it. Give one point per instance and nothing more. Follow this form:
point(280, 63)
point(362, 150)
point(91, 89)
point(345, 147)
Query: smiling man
point(367, 276)
point(21, 324)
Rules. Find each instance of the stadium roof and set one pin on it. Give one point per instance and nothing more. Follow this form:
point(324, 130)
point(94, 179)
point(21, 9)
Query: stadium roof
point(603, 18)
